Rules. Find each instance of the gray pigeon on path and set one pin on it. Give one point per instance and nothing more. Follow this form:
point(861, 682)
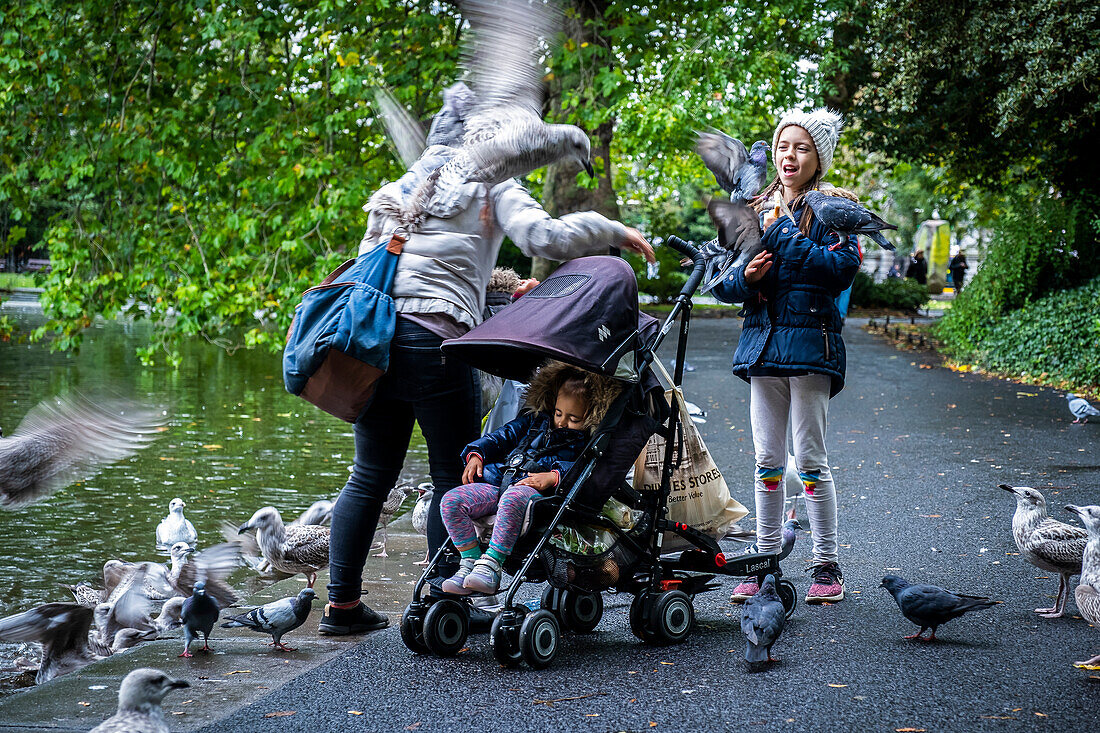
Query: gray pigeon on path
point(930, 606)
point(847, 217)
point(1046, 543)
point(67, 439)
point(276, 618)
point(1081, 409)
point(199, 614)
point(1087, 594)
point(739, 171)
point(763, 619)
point(139, 700)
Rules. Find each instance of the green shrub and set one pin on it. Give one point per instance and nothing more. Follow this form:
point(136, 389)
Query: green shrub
point(895, 293)
point(1056, 337)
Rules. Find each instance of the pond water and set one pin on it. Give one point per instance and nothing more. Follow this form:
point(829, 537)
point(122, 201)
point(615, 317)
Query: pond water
point(235, 441)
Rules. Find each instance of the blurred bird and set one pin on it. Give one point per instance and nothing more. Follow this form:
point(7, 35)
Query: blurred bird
point(155, 583)
point(175, 527)
point(125, 607)
point(763, 619)
point(739, 240)
point(139, 700)
point(1087, 594)
point(277, 618)
point(64, 631)
point(739, 172)
point(930, 606)
point(169, 617)
point(293, 549)
point(319, 512)
point(393, 502)
point(1048, 544)
point(1081, 409)
point(66, 439)
point(848, 217)
point(86, 595)
point(211, 566)
point(199, 614)
point(504, 135)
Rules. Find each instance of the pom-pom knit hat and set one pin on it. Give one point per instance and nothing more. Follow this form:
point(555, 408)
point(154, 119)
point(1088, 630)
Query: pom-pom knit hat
point(823, 124)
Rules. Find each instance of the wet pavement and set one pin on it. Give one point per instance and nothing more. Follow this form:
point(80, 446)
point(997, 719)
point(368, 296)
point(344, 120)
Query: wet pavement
point(917, 452)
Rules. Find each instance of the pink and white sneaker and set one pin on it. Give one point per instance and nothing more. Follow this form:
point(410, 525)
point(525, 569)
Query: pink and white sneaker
point(749, 587)
point(828, 585)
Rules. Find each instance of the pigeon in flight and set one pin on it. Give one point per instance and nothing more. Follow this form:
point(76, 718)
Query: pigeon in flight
point(295, 549)
point(930, 606)
point(175, 527)
point(1081, 409)
point(68, 439)
point(1087, 594)
point(199, 614)
point(739, 240)
point(763, 619)
point(211, 566)
point(504, 135)
point(139, 700)
point(1046, 543)
point(847, 217)
point(276, 618)
point(739, 171)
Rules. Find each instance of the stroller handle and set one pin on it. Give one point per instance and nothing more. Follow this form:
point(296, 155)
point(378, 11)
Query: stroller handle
point(688, 249)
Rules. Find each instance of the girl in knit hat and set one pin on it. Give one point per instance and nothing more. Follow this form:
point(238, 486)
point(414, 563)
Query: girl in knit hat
point(790, 349)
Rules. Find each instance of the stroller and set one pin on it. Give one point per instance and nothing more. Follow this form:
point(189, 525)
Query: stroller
point(586, 314)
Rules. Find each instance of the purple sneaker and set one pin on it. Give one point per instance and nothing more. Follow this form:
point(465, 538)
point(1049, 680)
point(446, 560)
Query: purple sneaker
point(828, 585)
point(454, 583)
point(484, 578)
point(749, 587)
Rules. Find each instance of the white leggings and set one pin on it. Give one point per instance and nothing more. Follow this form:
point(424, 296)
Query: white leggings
point(804, 401)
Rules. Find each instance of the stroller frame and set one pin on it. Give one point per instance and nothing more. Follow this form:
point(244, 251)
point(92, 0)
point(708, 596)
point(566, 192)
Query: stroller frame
point(663, 586)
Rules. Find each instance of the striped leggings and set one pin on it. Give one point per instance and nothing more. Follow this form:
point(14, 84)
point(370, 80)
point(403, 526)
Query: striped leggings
point(463, 504)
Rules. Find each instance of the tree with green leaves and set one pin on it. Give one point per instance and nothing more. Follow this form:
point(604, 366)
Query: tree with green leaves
point(199, 165)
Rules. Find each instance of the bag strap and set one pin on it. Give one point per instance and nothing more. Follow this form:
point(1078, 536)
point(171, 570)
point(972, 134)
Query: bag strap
point(337, 272)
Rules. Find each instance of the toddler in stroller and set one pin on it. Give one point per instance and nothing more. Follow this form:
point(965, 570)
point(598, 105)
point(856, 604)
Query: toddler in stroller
point(521, 460)
point(586, 316)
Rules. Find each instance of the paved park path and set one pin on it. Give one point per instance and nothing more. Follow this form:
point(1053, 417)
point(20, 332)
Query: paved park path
point(917, 452)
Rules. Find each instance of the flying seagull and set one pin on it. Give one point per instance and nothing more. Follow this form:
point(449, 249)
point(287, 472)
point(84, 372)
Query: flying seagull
point(67, 439)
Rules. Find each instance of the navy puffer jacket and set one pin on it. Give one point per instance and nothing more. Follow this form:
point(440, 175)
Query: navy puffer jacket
point(548, 448)
point(792, 324)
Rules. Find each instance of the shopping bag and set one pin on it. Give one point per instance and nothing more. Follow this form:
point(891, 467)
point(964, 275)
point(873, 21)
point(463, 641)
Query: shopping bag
point(698, 494)
point(338, 345)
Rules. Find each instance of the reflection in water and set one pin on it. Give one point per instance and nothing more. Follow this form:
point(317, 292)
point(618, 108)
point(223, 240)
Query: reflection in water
point(236, 441)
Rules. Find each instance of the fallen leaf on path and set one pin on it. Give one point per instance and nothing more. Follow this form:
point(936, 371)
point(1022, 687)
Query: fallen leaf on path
point(1087, 666)
point(414, 726)
point(591, 715)
point(239, 671)
point(1041, 715)
point(669, 663)
point(832, 685)
point(652, 724)
point(910, 730)
point(85, 704)
point(280, 714)
point(355, 712)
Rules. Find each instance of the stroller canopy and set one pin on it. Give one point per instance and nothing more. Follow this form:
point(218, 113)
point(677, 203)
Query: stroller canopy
point(585, 314)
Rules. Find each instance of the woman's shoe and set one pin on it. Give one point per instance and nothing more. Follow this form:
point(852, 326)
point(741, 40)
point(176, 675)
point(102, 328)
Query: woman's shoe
point(484, 578)
point(358, 619)
point(454, 584)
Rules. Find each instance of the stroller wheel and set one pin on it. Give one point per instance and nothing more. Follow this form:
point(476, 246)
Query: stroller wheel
point(551, 600)
point(639, 617)
point(412, 628)
point(504, 638)
point(788, 594)
point(580, 612)
point(672, 616)
point(446, 626)
point(538, 639)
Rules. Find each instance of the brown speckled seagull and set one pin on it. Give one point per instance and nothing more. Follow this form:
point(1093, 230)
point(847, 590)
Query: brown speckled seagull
point(1046, 543)
point(1088, 592)
point(295, 549)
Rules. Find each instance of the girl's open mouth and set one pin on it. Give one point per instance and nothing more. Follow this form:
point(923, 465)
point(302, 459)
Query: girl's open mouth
point(789, 170)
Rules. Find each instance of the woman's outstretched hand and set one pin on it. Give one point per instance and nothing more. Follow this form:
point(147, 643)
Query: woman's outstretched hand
point(637, 243)
point(758, 267)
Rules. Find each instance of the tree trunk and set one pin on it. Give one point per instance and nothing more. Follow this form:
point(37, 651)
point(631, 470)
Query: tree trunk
point(561, 194)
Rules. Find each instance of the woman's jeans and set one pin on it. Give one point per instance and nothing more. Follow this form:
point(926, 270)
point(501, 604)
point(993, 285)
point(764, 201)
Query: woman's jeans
point(443, 396)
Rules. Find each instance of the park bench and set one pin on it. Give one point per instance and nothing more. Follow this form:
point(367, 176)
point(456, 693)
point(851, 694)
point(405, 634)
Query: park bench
point(33, 265)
